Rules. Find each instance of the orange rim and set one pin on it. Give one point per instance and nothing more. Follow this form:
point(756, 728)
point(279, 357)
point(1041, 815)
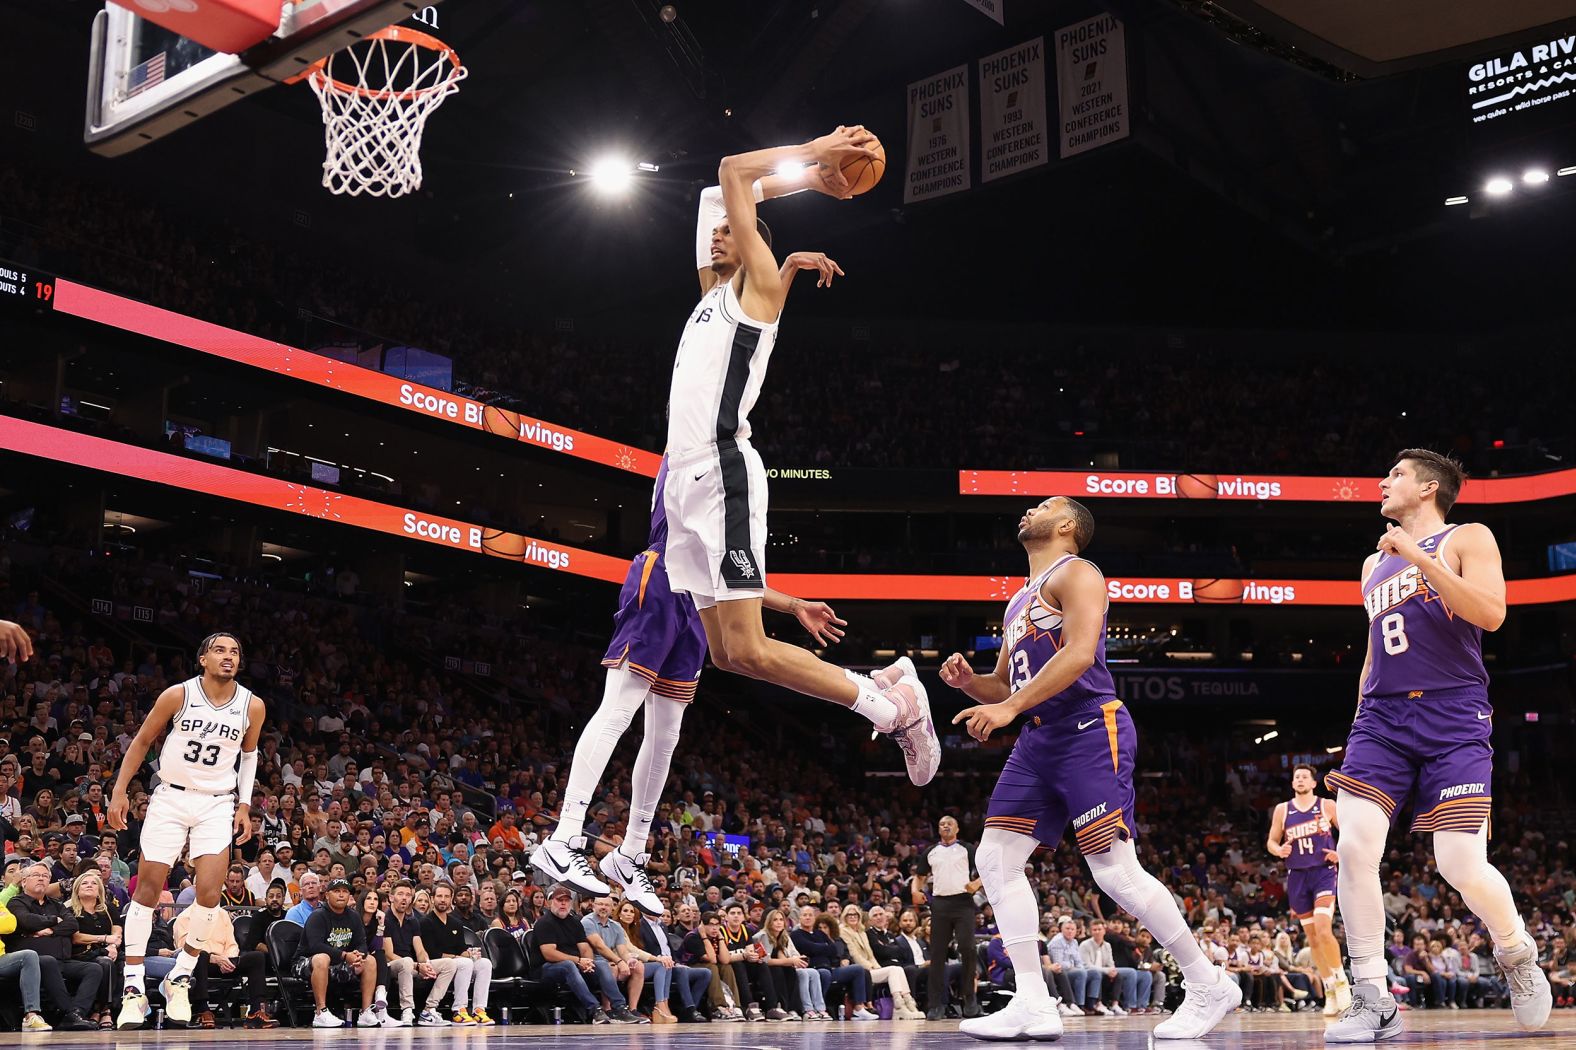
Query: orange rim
point(399, 34)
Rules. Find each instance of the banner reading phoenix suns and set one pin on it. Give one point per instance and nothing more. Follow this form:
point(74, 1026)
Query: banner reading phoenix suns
point(168, 326)
point(1281, 488)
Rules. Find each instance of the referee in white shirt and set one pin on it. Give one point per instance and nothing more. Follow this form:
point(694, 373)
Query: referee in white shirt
point(954, 881)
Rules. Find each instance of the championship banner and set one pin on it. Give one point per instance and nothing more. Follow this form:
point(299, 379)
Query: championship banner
point(989, 8)
point(938, 136)
point(1012, 111)
point(1091, 81)
point(168, 326)
point(1268, 488)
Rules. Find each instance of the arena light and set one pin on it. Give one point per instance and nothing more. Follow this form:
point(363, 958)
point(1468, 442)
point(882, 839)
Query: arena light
point(1534, 177)
point(1567, 171)
point(611, 175)
point(1454, 200)
point(1498, 186)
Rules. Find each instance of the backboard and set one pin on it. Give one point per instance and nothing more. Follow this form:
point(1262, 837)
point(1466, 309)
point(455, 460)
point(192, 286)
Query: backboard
point(145, 81)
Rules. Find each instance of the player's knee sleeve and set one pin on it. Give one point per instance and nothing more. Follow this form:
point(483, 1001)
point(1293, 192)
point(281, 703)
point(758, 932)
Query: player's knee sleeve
point(139, 927)
point(664, 717)
point(1001, 857)
point(1364, 828)
point(200, 926)
point(1461, 858)
point(1119, 874)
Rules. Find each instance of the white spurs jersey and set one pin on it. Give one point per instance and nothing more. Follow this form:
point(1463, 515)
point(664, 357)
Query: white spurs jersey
point(203, 747)
point(718, 372)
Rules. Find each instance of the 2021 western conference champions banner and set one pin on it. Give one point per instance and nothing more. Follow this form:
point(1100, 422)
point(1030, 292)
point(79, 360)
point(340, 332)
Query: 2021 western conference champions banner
point(938, 136)
point(1012, 111)
point(1091, 81)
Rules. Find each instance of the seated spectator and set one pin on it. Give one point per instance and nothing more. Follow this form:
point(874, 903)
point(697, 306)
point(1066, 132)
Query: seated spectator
point(780, 950)
point(45, 926)
point(23, 962)
point(1084, 980)
point(334, 952)
point(311, 899)
point(372, 920)
point(444, 938)
point(235, 893)
point(703, 946)
point(649, 949)
point(407, 958)
point(892, 976)
point(829, 957)
point(512, 916)
point(224, 958)
point(564, 957)
point(1096, 953)
point(98, 936)
point(612, 947)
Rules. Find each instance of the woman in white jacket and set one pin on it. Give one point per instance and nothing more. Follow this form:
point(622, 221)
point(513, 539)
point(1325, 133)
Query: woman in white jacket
point(903, 1006)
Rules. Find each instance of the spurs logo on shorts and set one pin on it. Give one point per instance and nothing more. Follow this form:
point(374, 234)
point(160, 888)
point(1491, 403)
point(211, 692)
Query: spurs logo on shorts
point(742, 564)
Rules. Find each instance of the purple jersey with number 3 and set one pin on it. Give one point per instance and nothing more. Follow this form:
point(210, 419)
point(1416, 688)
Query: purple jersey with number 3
point(1032, 634)
point(1420, 649)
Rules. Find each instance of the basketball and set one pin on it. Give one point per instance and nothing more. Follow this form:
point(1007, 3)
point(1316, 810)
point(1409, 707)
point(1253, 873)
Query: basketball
point(1197, 486)
point(501, 544)
point(863, 173)
point(1217, 592)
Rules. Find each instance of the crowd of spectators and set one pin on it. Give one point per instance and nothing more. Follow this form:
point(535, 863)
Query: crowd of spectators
point(392, 787)
point(1162, 401)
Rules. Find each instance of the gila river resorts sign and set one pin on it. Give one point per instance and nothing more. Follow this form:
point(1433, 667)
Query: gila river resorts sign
point(1091, 81)
point(938, 136)
point(1013, 135)
point(1519, 81)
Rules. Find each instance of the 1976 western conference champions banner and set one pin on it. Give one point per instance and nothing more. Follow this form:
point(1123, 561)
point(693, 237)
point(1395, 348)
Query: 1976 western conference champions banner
point(938, 136)
point(1091, 80)
point(1012, 111)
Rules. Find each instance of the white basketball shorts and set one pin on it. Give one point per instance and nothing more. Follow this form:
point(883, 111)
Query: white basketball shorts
point(715, 498)
point(175, 815)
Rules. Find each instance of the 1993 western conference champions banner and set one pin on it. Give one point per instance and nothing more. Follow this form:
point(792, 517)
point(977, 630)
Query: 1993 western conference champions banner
point(1012, 111)
point(938, 136)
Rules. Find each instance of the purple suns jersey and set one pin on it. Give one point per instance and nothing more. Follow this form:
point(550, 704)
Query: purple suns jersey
point(1420, 649)
point(1032, 634)
point(1308, 833)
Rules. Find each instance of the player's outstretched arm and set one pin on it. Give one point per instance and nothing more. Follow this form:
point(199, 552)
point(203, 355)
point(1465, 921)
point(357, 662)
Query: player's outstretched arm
point(164, 710)
point(824, 625)
point(763, 298)
point(246, 775)
point(825, 267)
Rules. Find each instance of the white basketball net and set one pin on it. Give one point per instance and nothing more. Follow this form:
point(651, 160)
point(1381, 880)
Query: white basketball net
point(376, 96)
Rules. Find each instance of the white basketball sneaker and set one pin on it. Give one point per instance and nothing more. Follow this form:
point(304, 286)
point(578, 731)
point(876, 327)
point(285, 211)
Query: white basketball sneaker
point(1370, 1019)
point(1530, 997)
point(1019, 1019)
point(889, 676)
point(631, 874)
point(1203, 1007)
point(569, 864)
point(913, 729)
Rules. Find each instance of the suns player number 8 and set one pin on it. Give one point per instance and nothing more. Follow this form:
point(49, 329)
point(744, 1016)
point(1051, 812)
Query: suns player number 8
point(1393, 629)
point(194, 750)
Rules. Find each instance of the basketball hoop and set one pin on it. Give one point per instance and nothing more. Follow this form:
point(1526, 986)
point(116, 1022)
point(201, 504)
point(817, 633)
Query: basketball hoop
point(375, 105)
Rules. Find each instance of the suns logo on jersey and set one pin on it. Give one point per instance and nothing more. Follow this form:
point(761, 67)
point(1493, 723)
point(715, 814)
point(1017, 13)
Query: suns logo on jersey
point(1038, 619)
point(1402, 587)
point(1307, 829)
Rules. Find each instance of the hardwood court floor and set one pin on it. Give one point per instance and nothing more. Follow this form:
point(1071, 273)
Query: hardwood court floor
point(1456, 1030)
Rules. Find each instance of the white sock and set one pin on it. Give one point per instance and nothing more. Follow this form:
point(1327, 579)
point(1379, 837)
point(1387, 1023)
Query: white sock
point(1364, 828)
point(663, 719)
point(871, 703)
point(185, 963)
point(134, 971)
point(622, 696)
point(380, 996)
point(1118, 873)
point(1001, 858)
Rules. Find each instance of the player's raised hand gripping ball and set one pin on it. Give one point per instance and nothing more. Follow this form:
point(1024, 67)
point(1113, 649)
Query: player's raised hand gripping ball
point(850, 161)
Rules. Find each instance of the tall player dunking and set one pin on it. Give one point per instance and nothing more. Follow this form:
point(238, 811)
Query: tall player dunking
point(1073, 762)
point(206, 772)
point(1421, 737)
point(1300, 834)
point(716, 487)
